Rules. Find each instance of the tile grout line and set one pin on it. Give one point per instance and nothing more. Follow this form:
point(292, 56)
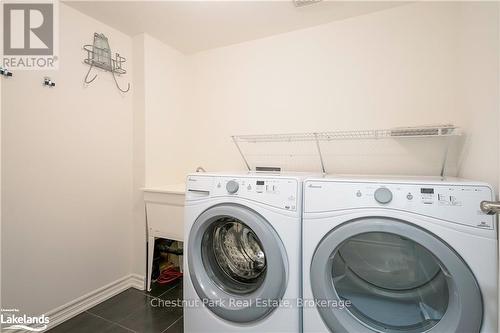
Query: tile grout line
point(163, 293)
point(166, 291)
point(145, 293)
point(166, 329)
point(110, 321)
point(136, 310)
point(149, 298)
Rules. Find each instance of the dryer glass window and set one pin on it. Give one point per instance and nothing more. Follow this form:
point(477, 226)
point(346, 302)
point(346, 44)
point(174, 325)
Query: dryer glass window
point(235, 255)
point(392, 282)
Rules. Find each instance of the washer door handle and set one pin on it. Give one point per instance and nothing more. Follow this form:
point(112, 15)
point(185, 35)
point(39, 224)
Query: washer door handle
point(490, 207)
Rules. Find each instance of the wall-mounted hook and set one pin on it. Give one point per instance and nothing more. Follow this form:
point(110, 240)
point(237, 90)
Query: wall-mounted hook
point(5, 72)
point(118, 86)
point(86, 80)
point(48, 82)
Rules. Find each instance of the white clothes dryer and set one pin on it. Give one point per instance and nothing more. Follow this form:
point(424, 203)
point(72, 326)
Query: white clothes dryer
point(399, 255)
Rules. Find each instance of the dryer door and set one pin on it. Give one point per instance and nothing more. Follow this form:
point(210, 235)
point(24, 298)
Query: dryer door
point(392, 276)
point(236, 260)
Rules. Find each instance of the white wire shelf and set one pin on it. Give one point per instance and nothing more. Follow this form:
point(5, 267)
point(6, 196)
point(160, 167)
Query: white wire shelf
point(398, 132)
point(313, 150)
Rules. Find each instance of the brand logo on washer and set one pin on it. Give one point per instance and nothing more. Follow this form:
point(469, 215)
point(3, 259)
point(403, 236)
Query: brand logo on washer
point(314, 186)
point(484, 224)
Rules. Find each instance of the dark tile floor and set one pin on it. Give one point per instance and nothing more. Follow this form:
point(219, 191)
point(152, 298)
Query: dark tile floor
point(131, 311)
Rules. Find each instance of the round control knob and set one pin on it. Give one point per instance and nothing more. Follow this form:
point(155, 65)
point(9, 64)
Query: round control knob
point(232, 186)
point(383, 195)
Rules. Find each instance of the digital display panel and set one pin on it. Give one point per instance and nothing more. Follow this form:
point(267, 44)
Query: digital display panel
point(260, 182)
point(427, 190)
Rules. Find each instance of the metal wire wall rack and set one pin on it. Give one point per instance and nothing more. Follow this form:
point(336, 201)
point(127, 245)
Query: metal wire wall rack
point(317, 138)
point(99, 55)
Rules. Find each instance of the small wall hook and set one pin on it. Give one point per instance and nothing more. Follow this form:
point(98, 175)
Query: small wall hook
point(5, 72)
point(48, 82)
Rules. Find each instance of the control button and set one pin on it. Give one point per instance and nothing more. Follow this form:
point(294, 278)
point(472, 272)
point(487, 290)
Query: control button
point(409, 196)
point(249, 187)
point(219, 185)
point(454, 201)
point(359, 194)
point(232, 186)
point(383, 195)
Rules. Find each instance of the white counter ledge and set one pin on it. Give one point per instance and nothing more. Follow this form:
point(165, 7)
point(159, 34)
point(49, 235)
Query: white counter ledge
point(168, 189)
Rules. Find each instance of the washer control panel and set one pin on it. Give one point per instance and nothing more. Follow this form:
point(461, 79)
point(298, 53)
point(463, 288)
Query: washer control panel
point(277, 192)
point(454, 203)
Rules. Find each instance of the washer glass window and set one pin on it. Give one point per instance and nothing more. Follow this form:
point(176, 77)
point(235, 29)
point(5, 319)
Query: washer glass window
point(234, 255)
point(392, 282)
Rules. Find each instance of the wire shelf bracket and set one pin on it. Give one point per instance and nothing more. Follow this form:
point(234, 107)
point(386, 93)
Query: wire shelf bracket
point(323, 169)
point(241, 153)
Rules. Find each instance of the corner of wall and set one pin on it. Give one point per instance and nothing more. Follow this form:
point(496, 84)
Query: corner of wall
point(138, 260)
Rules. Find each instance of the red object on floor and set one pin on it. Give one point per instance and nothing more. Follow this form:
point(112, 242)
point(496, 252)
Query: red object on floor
point(169, 275)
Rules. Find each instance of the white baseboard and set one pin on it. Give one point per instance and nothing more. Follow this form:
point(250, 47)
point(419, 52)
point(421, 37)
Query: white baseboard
point(138, 281)
point(85, 302)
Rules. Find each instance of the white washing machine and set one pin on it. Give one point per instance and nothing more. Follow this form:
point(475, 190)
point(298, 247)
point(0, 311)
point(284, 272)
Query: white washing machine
point(398, 255)
point(242, 253)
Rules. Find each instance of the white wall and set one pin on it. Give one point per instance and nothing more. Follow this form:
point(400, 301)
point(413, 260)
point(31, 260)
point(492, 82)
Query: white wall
point(478, 54)
point(138, 248)
point(160, 144)
point(422, 63)
point(0, 193)
point(66, 176)
point(166, 96)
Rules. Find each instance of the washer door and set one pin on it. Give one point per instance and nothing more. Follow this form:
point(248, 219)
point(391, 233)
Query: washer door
point(392, 276)
point(236, 260)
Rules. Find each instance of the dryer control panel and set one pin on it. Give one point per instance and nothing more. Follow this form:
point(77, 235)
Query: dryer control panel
point(280, 192)
point(454, 203)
